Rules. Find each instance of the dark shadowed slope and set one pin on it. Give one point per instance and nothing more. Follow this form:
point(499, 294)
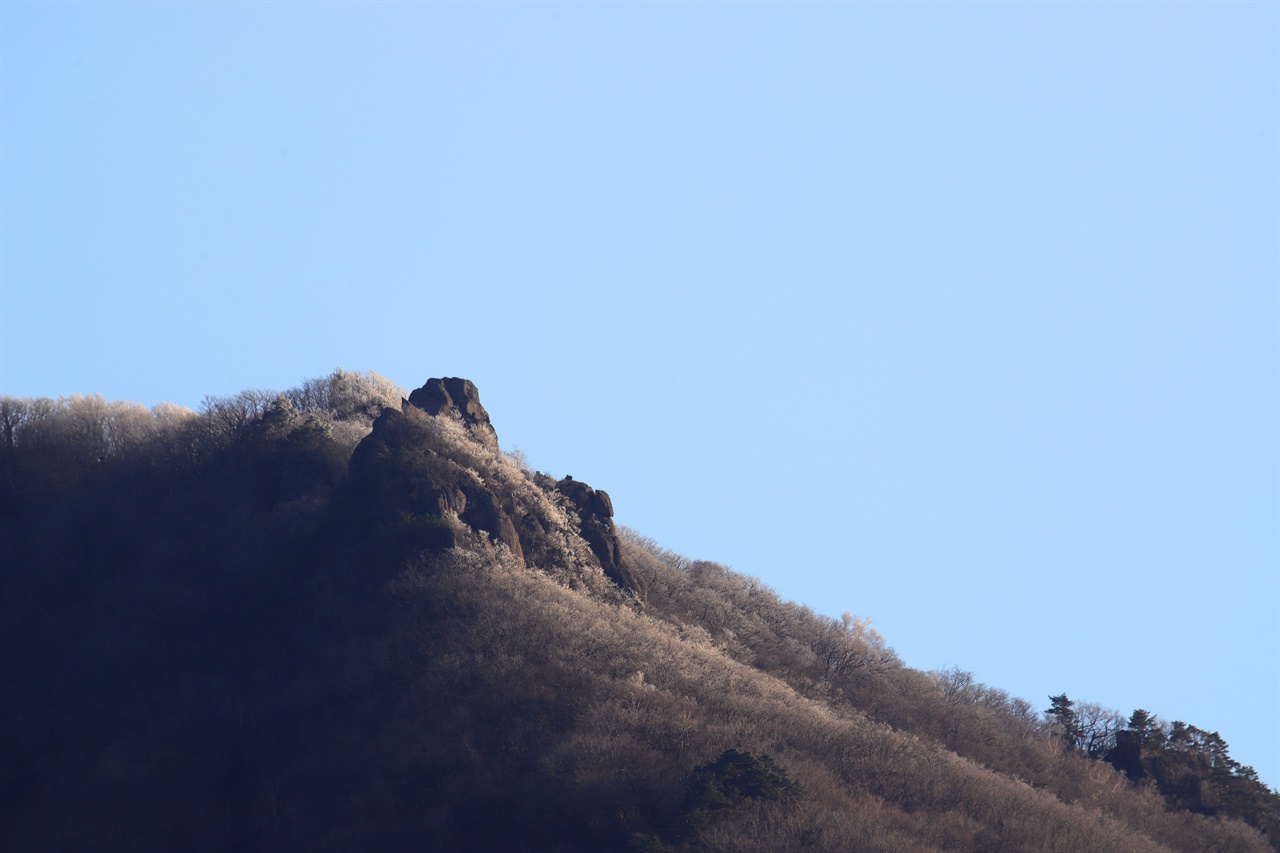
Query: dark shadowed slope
point(336, 619)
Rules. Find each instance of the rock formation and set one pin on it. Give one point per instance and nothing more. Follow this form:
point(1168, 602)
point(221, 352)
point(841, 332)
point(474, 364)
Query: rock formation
point(404, 483)
point(431, 497)
point(595, 513)
point(459, 396)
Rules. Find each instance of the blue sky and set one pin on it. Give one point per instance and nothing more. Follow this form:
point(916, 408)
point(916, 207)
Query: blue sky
point(964, 317)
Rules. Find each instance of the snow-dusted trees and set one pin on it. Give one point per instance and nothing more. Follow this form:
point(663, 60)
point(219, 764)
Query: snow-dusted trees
point(347, 395)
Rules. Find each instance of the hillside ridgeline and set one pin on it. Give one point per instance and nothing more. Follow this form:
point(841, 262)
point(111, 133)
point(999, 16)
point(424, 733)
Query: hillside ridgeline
point(338, 618)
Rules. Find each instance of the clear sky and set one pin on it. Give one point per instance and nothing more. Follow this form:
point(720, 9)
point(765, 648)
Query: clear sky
point(964, 317)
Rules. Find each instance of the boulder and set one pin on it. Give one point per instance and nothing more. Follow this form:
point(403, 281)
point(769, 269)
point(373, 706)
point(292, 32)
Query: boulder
point(458, 396)
point(484, 513)
point(446, 499)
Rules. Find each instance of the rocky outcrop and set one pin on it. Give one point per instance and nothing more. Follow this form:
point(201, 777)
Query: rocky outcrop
point(459, 396)
point(403, 483)
point(595, 514)
point(424, 490)
point(485, 513)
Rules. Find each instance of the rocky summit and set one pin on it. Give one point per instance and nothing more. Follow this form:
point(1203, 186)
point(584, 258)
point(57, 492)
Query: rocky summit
point(435, 499)
point(459, 396)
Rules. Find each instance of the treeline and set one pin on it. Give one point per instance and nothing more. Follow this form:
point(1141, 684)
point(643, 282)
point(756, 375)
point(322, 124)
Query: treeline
point(214, 642)
point(73, 433)
point(845, 662)
point(1191, 767)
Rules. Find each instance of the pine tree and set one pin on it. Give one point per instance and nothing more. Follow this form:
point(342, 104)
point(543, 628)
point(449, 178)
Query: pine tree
point(1062, 712)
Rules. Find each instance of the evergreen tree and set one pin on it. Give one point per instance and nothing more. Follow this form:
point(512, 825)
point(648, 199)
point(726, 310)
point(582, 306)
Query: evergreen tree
point(1062, 712)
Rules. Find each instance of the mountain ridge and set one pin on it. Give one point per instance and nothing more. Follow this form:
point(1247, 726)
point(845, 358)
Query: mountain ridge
point(342, 617)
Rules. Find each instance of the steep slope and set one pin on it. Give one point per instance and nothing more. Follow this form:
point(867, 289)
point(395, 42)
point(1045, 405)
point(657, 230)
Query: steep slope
point(339, 619)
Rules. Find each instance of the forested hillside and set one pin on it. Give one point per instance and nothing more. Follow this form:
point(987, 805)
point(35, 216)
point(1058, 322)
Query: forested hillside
point(333, 618)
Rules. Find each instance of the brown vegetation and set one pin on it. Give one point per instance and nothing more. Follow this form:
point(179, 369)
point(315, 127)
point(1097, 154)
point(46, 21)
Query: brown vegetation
point(222, 639)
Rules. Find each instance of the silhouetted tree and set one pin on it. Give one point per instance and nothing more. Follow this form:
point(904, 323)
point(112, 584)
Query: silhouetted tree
point(1062, 714)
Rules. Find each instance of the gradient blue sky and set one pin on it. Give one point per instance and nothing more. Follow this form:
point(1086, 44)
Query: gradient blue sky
point(963, 317)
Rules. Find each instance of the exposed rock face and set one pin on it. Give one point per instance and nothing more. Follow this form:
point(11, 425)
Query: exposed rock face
point(427, 495)
point(460, 396)
point(485, 513)
point(595, 511)
point(405, 484)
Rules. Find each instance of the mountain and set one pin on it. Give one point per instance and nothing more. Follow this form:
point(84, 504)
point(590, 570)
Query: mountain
point(335, 618)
